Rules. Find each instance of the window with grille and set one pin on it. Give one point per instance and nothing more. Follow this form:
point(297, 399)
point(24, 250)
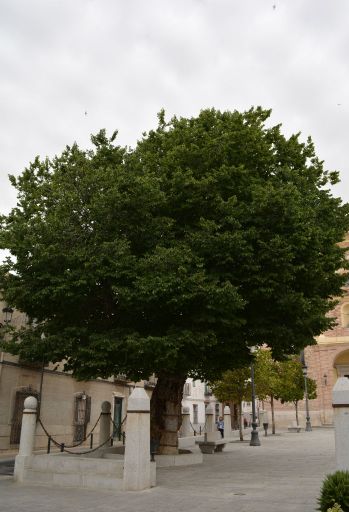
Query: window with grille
point(82, 415)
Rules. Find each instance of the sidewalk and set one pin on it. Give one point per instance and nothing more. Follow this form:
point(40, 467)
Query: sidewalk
point(282, 475)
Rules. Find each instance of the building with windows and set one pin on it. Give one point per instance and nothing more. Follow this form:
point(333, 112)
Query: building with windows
point(196, 396)
point(68, 408)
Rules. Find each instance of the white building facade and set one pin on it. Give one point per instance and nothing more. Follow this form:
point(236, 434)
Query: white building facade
point(196, 396)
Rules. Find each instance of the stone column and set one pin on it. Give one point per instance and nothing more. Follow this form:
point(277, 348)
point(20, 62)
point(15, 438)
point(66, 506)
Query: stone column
point(137, 450)
point(340, 403)
point(105, 422)
point(227, 422)
point(26, 445)
point(186, 429)
point(211, 428)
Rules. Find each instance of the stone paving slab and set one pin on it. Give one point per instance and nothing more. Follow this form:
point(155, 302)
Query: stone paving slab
point(284, 474)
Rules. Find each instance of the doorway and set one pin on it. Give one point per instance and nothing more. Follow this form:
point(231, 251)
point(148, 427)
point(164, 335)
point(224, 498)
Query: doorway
point(117, 416)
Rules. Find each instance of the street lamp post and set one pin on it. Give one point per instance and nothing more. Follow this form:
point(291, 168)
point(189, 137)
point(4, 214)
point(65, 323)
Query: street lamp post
point(305, 375)
point(254, 433)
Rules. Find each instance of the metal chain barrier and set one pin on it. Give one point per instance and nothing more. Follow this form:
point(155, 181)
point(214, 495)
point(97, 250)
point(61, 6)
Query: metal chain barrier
point(87, 451)
point(195, 431)
point(115, 425)
point(205, 425)
point(120, 434)
point(51, 439)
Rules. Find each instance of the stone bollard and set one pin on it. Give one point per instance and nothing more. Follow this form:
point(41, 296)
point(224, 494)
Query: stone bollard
point(340, 403)
point(105, 422)
point(137, 472)
point(26, 445)
point(186, 429)
point(227, 422)
point(211, 428)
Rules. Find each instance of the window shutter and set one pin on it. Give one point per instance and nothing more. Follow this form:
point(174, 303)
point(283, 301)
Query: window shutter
point(88, 409)
point(76, 407)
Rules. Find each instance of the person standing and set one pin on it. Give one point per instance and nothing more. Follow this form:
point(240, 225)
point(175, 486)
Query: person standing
point(220, 425)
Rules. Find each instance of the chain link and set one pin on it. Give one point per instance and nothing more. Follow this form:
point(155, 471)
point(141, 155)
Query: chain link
point(73, 445)
point(89, 451)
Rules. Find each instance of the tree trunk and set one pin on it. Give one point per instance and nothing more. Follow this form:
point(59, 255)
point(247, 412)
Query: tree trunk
point(241, 432)
point(166, 412)
point(272, 414)
point(296, 406)
point(232, 415)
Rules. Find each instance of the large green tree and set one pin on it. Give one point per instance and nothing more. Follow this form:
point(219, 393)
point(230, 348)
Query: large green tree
point(214, 234)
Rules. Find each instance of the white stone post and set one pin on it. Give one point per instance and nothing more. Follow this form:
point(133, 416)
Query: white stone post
point(186, 429)
point(105, 422)
point(26, 445)
point(227, 422)
point(340, 403)
point(137, 449)
point(211, 428)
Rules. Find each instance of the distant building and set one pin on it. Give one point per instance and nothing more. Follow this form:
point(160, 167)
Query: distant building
point(197, 395)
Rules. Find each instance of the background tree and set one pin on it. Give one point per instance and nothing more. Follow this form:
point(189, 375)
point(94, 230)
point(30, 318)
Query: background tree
point(234, 386)
point(290, 386)
point(266, 379)
point(216, 233)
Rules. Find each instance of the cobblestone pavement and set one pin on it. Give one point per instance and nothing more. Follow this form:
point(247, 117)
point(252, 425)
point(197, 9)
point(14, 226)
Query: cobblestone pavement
point(284, 474)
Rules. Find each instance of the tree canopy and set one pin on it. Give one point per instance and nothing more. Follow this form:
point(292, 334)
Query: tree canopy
point(213, 234)
point(234, 386)
point(266, 374)
point(291, 387)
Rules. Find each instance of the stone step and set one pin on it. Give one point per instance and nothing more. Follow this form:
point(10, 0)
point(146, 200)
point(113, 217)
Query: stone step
point(76, 465)
point(88, 481)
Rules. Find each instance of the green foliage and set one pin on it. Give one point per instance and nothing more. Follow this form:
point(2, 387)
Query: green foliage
point(335, 508)
point(266, 374)
point(214, 234)
point(234, 386)
point(335, 491)
point(290, 387)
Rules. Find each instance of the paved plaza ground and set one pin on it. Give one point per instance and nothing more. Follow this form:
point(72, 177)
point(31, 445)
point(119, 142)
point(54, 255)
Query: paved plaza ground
point(284, 474)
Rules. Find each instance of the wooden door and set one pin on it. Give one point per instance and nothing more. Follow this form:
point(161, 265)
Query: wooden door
point(16, 422)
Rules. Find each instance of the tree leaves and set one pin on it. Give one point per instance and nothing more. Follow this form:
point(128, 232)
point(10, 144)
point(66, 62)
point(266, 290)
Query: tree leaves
point(214, 234)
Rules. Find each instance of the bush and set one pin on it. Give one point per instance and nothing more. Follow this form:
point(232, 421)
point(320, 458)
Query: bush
point(335, 508)
point(335, 491)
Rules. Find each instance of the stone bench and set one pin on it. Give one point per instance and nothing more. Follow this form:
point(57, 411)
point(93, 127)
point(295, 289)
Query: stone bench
point(294, 428)
point(211, 446)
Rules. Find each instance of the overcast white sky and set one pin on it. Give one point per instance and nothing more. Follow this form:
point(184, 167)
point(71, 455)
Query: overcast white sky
point(123, 60)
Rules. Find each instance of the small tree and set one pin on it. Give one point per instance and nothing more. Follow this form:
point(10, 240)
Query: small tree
point(266, 379)
point(290, 387)
point(235, 386)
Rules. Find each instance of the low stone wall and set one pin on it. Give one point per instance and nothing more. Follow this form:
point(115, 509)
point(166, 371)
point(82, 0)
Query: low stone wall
point(182, 459)
point(75, 471)
point(186, 442)
point(133, 471)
